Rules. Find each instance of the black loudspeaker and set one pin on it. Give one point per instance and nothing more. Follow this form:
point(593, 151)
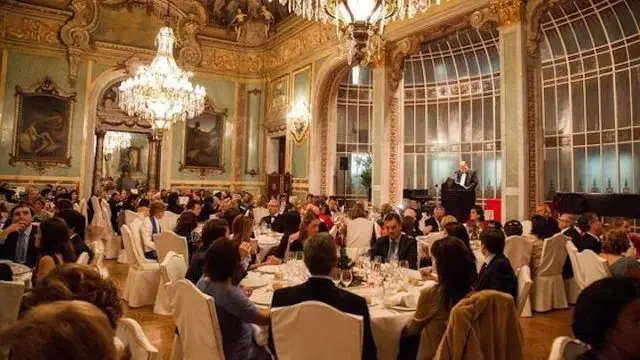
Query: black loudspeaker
point(344, 163)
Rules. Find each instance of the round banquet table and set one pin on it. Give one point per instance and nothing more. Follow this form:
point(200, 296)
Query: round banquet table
point(21, 272)
point(386, 323)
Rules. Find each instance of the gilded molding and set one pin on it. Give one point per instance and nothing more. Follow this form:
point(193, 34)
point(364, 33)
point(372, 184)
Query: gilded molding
point(29, 29)
point(508, 12)
point(393, 148)
point(75, 33)
point(532, 134)
point(534, 11)
point(398, 52)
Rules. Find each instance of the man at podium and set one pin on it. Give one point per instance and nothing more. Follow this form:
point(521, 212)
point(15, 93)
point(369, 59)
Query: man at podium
point(459, 192)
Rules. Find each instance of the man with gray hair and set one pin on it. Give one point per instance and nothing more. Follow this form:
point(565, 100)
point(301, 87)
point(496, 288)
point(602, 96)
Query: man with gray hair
point(320, 256)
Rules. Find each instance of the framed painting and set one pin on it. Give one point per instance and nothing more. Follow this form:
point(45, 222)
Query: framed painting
point(278, 104)
point(203, 139)
point(42, 129)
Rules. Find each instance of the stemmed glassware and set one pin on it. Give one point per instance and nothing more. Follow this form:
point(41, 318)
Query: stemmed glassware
point(346, 277)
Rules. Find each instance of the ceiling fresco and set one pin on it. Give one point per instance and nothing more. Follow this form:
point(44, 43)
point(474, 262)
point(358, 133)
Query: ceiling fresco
point(226, 13)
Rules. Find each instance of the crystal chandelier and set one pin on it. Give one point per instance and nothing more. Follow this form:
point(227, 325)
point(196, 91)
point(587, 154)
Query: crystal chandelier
point(162, 93)
point(359, 23)
point(116, 140)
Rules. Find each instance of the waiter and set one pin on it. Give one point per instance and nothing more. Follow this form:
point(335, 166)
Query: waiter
point(459, 192)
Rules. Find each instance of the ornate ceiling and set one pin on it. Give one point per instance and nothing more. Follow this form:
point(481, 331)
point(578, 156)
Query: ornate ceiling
point(223, 12)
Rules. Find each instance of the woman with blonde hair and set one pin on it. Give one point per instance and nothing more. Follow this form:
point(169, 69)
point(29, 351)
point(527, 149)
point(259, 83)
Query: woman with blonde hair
point(71, 330)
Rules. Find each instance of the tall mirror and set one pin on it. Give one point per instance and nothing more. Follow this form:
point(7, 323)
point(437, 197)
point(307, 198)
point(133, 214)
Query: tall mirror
point(125, 157)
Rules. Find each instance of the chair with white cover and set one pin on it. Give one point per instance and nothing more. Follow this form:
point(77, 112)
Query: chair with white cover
point(566, 348)
point(134, 339)
point(359, 232)
point(258, 214)
point(172, 269)
point(10, 297)
point(595, 267)
point(97, 225)
point(167, 241)
point(111, 239)
point(129, 216)
point(548, 291)
point(98, 259)
point(575, 287)
point(83, 258)
point(143, 277)
point(526, 227)
point(169, 221)
point(523, 305)
point(336, 335)
point(195, 316)
point(518, 250)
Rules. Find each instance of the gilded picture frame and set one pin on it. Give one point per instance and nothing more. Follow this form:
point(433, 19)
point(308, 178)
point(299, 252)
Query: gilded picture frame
point(43, 122)
point(203, 141)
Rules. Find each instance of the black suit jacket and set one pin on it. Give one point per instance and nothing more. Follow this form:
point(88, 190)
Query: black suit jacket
point(277, 224)
point(323, 290)
point(498, 275)
point(435, 225)
point(587, 241)
point(407, 250)
point(8, 249)
point(471, 181)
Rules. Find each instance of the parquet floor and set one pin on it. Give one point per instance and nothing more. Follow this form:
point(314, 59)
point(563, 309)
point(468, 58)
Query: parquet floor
point(539, 331)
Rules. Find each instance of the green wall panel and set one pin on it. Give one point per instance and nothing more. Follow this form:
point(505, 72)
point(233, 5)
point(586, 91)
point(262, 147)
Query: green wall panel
point(27, 70)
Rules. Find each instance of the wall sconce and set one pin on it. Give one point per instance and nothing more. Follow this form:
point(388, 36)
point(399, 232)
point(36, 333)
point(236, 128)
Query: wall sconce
point(299, 120)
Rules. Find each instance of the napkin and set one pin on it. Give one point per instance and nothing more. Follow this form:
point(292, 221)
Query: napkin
point(404, 299)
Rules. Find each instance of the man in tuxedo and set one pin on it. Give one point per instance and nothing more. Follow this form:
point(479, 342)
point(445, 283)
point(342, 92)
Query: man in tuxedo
point(274, 219)
point(396, 244)
point(567, 227)
point(432, 224)
point(320, 256)
point(591, 227)
point(466, 177)
point(18, 240)
point(496, 272)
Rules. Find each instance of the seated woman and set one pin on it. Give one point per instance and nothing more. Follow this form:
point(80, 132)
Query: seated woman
point(476, 223)
point(456, 275)
point(242, 229)
point(294, 242)
point(605, 318)
point(40, 212)
point(186, 226)
point(540, 231)
point(615, 245)
point(458, 230)
point(235, 311)
point(53, 243)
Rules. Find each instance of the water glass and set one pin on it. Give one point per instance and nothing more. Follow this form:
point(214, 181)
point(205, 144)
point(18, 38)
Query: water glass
point(346, 277)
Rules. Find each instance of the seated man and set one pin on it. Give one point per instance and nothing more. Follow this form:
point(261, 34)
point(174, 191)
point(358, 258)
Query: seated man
point(211, 231)
point(274, 220)
point(432, 224)
point(18, 240)
point(320, 256)
point(151, 226)
point(496, 272)
point(395, 243)
point(591, 227)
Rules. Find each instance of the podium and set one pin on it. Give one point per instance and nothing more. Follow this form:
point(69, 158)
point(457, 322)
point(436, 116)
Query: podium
point(457, 200)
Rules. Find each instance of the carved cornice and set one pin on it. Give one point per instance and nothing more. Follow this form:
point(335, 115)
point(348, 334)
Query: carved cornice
point(398, 52)
point(534, 11)
point(75, 34)
point(508, 12)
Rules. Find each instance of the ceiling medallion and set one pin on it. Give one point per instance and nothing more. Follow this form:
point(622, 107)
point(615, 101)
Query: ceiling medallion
point(162, 92)
point(359, 23)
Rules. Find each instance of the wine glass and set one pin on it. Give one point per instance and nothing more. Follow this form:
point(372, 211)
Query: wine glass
point(336, 276)
point(347, 277)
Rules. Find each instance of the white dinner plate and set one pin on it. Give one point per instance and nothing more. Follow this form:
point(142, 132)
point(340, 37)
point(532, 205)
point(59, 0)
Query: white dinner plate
point(269, 269)
point(262, 297)
point(254, 281)
point(402, 308)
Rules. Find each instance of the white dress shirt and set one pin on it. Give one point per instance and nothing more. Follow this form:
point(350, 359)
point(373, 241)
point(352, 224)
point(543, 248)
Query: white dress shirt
point(146, 233)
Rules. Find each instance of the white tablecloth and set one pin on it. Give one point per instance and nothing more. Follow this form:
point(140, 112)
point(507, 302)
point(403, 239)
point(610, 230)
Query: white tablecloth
point(386, 324)
point(19, 274)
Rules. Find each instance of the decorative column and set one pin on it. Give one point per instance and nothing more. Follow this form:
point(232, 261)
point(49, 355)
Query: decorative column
point(513, 107)
point(155, 144)
point(97, 172)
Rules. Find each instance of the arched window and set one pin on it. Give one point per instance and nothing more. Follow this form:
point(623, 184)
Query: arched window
point(452, 111)
point(354, 125)
point(590, 57)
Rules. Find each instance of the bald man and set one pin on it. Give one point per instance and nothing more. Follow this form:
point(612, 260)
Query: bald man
point(466, 177)
point(274, 219)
